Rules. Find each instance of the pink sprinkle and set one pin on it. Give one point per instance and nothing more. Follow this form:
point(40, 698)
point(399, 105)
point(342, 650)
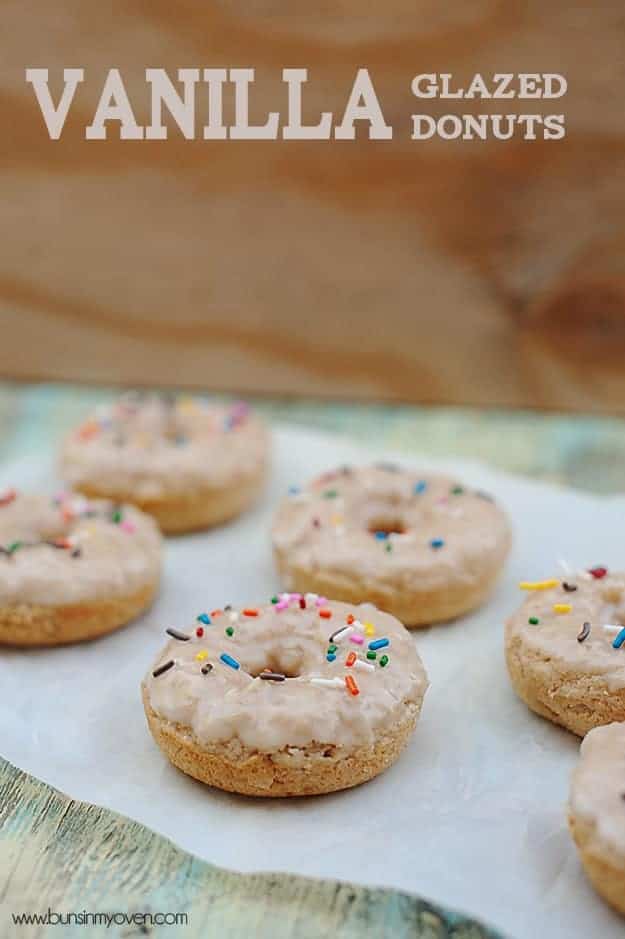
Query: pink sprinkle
point(282, 605)
point(130, 527)
point(321, 601)
point(357, 639)
point(296, 597)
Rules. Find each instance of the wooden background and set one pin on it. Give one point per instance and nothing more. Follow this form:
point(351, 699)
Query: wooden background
point(487, 272)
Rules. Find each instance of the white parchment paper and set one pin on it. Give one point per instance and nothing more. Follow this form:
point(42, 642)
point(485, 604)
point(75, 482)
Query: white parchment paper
point(472, 815)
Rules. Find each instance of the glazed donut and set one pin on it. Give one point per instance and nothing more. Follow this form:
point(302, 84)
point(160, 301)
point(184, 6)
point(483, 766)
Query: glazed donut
point(72, 569)
point(597, 811)
point(188, 462)
point(565, 649)
point(297, 697)
point(423, 547)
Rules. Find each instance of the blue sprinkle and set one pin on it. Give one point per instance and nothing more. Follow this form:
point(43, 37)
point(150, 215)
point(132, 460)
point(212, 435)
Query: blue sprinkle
point(619, 640)
point(436, 543)
point(420, 487)
point(379, 644)
point(294, 490)
point(204, 618)
point(228, 660)
point(381, 535)
point(330, 656)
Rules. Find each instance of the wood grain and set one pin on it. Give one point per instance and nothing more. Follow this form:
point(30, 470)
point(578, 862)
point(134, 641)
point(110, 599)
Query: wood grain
point(489, 272)
point(68, 856)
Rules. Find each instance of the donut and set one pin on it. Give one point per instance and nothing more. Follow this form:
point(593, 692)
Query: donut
point(597, 811)
point(565, 649)
point(188, 462)
point(423, 547)
point(72, 569)
point(300, 696)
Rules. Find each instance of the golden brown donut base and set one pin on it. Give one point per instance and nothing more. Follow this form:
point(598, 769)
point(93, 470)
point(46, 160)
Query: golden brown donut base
point(28, 624)
point(417, 608)
point(200, 509)
point(323, 768)
point(576, 701)
point(606, 873)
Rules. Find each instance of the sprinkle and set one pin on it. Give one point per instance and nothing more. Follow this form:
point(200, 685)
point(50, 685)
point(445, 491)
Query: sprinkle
point(282, 605)
point(233, 616)
point(199, 632)
point(116, 516)
point(364, 666)
point(358, 626)
point(357, 639)
point(570, 588)
point(250, 612)
point(598, 572)
point(332, 648)
point(128, 526)
point(163, 668)
point(620, 639)
point(330, 656)
point(207, 668)
point(457, 490)
point(302, 603)
point(294, 490)
point(371, 654)
point(533, 621)
point(311, 597)
point(327, 682)
point(228, 660)
point(379, 644)
point(388, 547)
point(200, 656)
point(177, 635)
point(611, 628)
point(484, 495)
point(351, 658)
point(538, 584)
point(205, 618)
point(341, 633)
point(229, 631)
point(436, 543)
point(325, 614)
point(321, 601)
point(420, 487)
point(272, 676)
point(369, 629)
point(330, 494)
point(585, 633)
point(349, 619)
point(352, 687)
point(562, 607)
point(384, 661)
point(8, 496)
point(381, 535)
point(274, 599)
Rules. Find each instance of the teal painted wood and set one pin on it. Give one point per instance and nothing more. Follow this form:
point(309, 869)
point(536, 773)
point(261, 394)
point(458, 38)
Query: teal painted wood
point(71, 856)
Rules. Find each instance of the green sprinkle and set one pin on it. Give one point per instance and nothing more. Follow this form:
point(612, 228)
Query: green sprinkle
point(384, 660)
point(13, 547)
point(389, 546)
point(533, 621)
point(229, 631)
point(371, 654)
point(274, 599)
point(330, 494)
point(332, 649)
point(457, 491)
point(116, 516)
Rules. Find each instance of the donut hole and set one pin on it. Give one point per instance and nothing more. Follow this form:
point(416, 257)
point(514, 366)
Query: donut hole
point(282, 662)
point(386, 525)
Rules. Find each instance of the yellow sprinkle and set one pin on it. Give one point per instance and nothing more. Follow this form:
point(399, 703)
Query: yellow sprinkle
point(562, 608)
point(369, 629)
point(337, 519)
point(538, 584)
point(202, 655)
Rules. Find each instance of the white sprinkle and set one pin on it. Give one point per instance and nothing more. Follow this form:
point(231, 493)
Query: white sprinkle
point(358, 626)
point(364, 666)
point(565, 567)
point(327, 682)
point(310, 597)
point(611, 628)
point(342, 633)
point(233, 616)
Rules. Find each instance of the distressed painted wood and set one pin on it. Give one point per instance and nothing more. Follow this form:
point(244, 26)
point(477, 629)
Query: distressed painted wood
point(485, 272)
point(71, 856)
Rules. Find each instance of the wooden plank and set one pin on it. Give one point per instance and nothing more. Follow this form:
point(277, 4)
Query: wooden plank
point(488, 272)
